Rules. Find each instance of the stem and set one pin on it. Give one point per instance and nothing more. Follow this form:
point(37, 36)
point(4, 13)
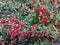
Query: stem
point(55, 28)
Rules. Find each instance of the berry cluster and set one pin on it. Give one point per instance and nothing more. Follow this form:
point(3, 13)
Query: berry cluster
point(43, 15)
point(16, 28)
point(29, 23)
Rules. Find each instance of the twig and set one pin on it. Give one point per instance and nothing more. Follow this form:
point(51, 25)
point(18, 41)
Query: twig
point(55, 28)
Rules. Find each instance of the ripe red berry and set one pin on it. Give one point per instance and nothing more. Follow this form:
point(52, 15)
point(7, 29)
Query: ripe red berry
point(36, 35)
point(43, 9)
point(44, 21)
point(55, 30)
point(12, 19)
point(5, 25)
point(2, 21)
point(42, 35)
point(58, 26)
point(54, 0)
point(33, 35)
point(15, 31)
point(48, 36)
point(47, 16)
point(38, 9)
point(10, 26)
point(16, 26)
point(12, 35)
point(26, 34)
point(16, 20)
point(21, 24)
point(32, 27)
point(40, 13)
point(42, 16)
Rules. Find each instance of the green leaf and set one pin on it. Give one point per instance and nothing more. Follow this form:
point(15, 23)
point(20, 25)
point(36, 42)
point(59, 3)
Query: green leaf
point(58, 30)
point(54, 35)
point(45, 42)
point(36, 43)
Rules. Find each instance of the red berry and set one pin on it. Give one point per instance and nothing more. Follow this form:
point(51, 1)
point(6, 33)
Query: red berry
point(10, 26)
point(32, 27)
point(43, 9)
point(58, 26)
point(36, 35)
point(47, 16)
point(44, 21)
point(5, 25)
point(33, 35)
point(16, 20)
point(40, 13)
point(21, 24)
point(15, 31)
point(48, 36)
point(42, 16)
point(54, 0)
point(2, 21)
point(38, 9)
point(12, 20)
point(55, 31)
point(26, 34)
point(16, 26)
point(12, 35)
point(42, 35)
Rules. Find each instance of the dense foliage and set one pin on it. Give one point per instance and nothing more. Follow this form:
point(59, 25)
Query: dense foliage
point(29, 22)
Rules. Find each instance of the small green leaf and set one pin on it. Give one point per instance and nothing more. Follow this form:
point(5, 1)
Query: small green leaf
point(58, 30)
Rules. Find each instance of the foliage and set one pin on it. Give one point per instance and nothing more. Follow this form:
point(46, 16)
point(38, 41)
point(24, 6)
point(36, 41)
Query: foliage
point(29, 22)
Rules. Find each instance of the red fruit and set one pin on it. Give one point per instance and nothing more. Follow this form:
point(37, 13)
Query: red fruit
point(12, 35)
point(16, 26)
point(21, 24)
point(38, 9)
point(47, 16)
point(12, 20)
point(15, 31)
point(48, 36)
point(42, 35)
point(5, 25)
point(37, 36)
point(42, 16)
point(16, 20)
point(10, 26)
point(43, 9)
point(33, 35)
point(40, 13)
point(2, 21)
point(32, 27)
point(58, 26)
point(55, 30)
point(54, 0)
point(44, 21)
point(26, 34)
